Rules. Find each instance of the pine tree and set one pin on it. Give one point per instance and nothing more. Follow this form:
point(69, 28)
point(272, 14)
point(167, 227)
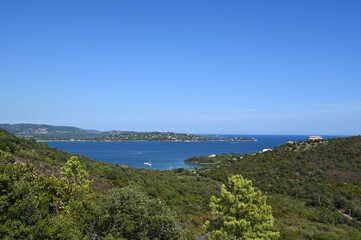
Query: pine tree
point(240, 213)
point(74, 174)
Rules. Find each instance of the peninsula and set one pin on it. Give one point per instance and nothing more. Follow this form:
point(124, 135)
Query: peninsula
point(43, 132)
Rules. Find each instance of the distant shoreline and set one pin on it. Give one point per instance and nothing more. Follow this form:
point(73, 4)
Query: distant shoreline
point(43, 132)
point(246, 140)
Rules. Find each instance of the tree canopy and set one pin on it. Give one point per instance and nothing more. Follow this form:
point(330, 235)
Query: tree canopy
point(33, 206)
point(240, 213)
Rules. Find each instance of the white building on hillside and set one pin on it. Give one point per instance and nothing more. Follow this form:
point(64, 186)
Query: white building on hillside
point(314, 138)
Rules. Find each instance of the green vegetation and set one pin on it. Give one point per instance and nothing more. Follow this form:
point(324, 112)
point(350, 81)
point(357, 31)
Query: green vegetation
point(310, 185)
point(313, 187)
point(37, 207)
point(181, 190)
point(131, 214)
point(60, 133)
point(214, 159)
point(240, 213)
point(29, 130)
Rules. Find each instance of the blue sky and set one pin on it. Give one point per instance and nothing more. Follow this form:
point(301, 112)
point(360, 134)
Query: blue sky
point(247, 67)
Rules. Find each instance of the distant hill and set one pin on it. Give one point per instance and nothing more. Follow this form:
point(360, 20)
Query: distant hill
point(30, 130)
point(49, 132)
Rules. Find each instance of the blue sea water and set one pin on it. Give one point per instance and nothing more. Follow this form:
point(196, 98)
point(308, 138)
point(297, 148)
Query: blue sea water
point(166, 155)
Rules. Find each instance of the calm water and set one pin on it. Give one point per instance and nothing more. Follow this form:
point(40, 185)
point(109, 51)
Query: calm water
point(166, 155)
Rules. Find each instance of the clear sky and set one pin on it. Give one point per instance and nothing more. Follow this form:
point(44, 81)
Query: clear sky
point(245, 67)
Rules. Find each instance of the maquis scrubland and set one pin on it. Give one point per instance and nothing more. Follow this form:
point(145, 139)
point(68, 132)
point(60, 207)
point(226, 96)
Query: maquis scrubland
point(304, 190)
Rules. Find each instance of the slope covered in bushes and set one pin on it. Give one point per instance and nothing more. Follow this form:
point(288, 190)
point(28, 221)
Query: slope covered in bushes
point(312, 187)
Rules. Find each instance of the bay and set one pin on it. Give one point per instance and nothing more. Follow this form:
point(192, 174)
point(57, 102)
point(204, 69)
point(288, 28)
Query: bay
point(167, 155)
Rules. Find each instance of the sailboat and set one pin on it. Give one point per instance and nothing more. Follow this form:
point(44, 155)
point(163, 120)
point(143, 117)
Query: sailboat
point(149, 163)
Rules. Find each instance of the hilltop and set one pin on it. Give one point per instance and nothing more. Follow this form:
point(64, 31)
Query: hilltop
point(31, 130)
point(56, 133)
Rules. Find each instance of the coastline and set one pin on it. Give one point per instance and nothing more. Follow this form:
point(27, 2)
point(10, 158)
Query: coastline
point(217, 140)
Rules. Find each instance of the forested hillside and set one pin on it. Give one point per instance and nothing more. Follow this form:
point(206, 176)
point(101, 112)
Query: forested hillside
point(317, 181)
point(313, 188)
point(31, 130)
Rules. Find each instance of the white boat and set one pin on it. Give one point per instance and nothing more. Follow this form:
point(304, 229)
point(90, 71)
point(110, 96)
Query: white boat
point(149, 163)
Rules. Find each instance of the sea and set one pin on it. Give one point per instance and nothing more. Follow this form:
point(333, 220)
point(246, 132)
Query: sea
point(168, 155)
